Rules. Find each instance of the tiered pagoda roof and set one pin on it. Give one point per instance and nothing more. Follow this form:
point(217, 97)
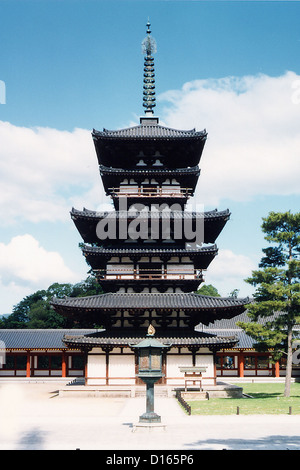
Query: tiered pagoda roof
point(86, 222)
point(132, 161)
point(97, 256)
point(198, 308)
point(126, 147)
point(191, 340)
point(146, 131)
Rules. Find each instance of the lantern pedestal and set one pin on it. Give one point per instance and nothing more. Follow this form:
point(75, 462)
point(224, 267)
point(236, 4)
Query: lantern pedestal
point(150, 371)
point(149, 416)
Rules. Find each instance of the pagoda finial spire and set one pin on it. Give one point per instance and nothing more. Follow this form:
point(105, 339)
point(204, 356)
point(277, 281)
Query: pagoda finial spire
point(148, 49)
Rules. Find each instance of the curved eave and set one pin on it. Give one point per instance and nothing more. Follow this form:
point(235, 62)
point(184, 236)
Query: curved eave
point(97, 257)
point(112, 177)
point(86, 222)
point(148, 132)
point(201, 308)
point(133, 337)
point(122, 148)
point(104, 170)
point(90, 214)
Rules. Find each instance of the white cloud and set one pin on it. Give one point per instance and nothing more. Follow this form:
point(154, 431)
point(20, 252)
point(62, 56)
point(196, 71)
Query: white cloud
point(228, 271)
point(23, 262)
point(253, 134)
point(42, 170)
point(252, 149)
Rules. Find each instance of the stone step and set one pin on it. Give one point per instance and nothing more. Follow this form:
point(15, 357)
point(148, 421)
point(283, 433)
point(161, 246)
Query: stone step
point(195, 395)
point(158, 392)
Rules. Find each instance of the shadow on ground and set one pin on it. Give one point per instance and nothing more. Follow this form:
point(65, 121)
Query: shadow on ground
point(31, 440)
point(276, 442)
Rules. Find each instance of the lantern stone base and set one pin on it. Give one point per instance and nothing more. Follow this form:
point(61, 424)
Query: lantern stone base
point(148, 427)
point(150, 417)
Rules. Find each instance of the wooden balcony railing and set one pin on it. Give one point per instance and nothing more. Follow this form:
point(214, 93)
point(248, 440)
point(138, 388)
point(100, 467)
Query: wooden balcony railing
point(151, 192)
point(147, 274)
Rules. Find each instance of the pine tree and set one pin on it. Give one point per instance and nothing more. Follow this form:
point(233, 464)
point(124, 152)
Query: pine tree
point(277, 292)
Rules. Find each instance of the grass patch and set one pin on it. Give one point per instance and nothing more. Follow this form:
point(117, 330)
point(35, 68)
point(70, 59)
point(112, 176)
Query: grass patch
point(267, 399)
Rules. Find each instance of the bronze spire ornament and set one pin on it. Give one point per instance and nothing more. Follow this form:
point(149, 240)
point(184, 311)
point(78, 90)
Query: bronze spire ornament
point(148, 49)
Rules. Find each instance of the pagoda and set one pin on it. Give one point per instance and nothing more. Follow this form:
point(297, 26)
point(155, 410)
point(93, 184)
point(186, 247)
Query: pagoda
point(149, 253)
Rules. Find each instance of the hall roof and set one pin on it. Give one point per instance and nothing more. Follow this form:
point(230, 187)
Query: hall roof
point(51, 339)
point(38, 338)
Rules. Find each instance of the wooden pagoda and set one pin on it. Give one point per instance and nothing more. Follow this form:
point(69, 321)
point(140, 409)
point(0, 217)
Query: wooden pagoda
point(146, 261)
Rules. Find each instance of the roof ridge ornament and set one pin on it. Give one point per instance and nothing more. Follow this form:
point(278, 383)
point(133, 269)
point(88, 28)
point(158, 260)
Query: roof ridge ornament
point(148, 49)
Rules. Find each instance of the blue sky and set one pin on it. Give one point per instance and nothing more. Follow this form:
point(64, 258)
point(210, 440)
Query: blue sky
point(71, 66)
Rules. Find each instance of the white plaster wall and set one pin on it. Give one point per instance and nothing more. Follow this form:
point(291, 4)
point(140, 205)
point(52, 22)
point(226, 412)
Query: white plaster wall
point(207, 361)
point(173, 374)
point(96, 369)
point(175, 377)
point(6, 373)
point(228, 372)
point(121, 369)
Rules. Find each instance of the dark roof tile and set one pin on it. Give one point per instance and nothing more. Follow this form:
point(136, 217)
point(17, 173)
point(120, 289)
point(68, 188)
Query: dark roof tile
point(150, 301)
point(149, 131)
point(37, 338)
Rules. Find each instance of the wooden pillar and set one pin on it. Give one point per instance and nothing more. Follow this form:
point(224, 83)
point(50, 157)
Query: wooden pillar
point(241, 365)
point(28, 365)
point(107, 366)
point(85, 366)
point(194, 358)
point(63, 365)
point(164, 368)
point(107, 350)
point(215, 370)
point(277, 373)
point(214, 354)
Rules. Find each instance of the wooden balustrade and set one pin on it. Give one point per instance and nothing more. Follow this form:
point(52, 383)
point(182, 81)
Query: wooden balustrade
point(146, 274)
point(151, 192)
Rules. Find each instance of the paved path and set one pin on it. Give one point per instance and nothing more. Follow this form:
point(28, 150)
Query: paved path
point(33, 416)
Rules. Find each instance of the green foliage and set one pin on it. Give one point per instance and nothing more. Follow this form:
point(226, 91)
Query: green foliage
point(277, 287)
point(35, 311)
point(234, 293)
point(284, 229)
point(208, 289)
point(274, 257)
